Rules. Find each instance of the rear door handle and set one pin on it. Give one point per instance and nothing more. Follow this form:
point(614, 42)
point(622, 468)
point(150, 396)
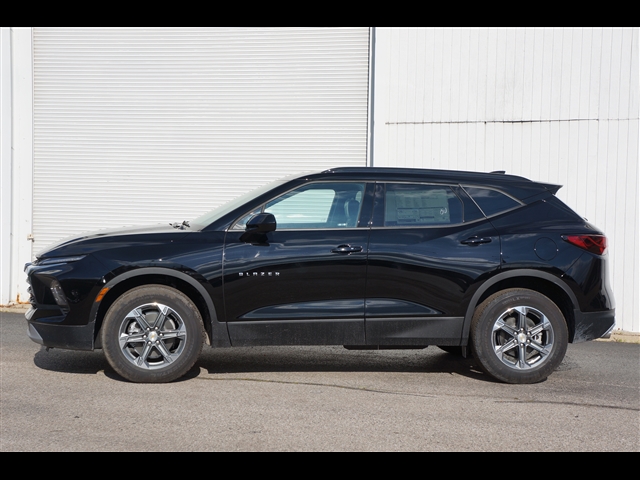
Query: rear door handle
point(475, 241)
point(346, 249)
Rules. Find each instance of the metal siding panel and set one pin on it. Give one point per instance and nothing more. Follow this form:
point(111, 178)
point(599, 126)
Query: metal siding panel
point(572, 162)
point(476, 44)
point(605, 74)
point(556, 76)
point(150, 125)
point(625, 74)
point(590, 166)
point(614, 72)
point(517, 44)
point(585, 73)
point(546, 82)
point(566, 49)
point(456, 88)
point(630, 248)
point(634, 101)
point(439, 69)
point(491, 74)
point(422, 75)
point(430, 74)
point(574, 69)
point(460, 102)
point(581, 164)
point(529, 61)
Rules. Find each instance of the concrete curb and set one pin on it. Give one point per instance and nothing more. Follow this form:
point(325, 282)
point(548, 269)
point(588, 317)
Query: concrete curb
point(15, 309)
point(617, 337)
point(623, 337)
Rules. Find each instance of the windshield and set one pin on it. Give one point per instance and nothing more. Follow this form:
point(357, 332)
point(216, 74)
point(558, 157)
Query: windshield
point(208, 218)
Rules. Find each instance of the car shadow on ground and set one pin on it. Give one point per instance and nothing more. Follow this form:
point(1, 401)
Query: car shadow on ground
point(337, 359)
point(281, 359)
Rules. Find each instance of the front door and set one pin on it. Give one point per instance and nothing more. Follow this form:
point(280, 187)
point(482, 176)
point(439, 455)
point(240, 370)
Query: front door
point(304, 283)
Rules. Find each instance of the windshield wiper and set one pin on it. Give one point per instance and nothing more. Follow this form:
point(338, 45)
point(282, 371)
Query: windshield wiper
point(182, 226)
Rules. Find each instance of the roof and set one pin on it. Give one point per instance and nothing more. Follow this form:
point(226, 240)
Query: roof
point(518, 187)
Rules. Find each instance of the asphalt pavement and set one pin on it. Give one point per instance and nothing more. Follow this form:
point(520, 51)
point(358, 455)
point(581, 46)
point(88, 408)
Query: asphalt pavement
point(315, 399)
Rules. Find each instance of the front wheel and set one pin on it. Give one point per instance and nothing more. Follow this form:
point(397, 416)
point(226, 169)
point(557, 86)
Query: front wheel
point(152, 334)
point(519, 336)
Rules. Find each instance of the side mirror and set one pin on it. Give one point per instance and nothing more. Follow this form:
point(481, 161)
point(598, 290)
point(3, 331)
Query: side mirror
point(262, 223)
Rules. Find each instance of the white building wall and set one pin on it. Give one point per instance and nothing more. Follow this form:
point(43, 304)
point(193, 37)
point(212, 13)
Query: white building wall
point(16, 161)
point(159, 125)
point(5, 165)
point(22, 170)
point(554, 105)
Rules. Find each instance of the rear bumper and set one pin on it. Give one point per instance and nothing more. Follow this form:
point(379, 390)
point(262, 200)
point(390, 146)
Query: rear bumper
point(592, 326)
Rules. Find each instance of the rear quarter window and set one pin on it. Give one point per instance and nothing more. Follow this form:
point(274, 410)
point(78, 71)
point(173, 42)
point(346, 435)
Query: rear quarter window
point(492, 202)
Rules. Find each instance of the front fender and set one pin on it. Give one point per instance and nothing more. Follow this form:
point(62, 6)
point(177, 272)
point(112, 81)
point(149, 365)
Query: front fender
point(216, 330)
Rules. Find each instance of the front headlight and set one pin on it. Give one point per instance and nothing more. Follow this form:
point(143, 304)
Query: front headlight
point(60, 261)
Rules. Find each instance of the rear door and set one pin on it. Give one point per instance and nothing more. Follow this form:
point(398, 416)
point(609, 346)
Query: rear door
point(429, 248)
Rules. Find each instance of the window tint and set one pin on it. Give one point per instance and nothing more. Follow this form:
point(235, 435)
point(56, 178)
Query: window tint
point(308, 207)
point(314, 206)
point(421, 205)
point(492, 202)
point(471, 210)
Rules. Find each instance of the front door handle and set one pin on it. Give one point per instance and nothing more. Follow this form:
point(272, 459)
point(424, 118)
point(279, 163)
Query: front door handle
point(475, 241)
point(346, 249)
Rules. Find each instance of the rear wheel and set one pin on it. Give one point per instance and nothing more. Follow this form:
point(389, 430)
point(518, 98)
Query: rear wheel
point(519, 336)
point(152, 334)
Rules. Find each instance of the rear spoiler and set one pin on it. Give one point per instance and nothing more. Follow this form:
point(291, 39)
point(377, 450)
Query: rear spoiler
point(550, 187)
point(554, 189)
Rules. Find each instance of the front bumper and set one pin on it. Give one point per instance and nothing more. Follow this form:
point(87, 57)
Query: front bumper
point(61, 296)
point(66, 337)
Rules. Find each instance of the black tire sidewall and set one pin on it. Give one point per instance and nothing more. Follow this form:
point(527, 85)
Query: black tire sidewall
point(482, 330)
point(148, 295)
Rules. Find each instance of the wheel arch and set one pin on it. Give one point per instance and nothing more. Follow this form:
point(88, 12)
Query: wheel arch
point(216, 332)
point(541, 282)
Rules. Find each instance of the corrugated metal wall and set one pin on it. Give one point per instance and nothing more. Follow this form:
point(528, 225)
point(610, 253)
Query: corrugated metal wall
point(555, 105)
point(151, 125)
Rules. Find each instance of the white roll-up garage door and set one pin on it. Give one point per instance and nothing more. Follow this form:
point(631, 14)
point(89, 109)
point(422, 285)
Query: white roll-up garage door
point(155, 125)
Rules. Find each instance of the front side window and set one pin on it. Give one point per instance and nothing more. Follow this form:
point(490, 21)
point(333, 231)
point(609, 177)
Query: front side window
point(421, 205)
point(314, 206)
point(310, 207)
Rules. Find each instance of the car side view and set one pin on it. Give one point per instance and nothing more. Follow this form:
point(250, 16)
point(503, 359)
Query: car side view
point(489, 265)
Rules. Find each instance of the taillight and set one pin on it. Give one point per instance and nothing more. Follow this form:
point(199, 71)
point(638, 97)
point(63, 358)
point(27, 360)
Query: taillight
point(592, 243)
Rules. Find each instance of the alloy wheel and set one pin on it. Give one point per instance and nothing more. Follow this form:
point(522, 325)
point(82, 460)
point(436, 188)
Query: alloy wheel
point(152, 336)
point(523, 338)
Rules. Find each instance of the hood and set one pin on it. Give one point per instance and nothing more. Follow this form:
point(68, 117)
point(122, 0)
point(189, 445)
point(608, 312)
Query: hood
point(113, 238)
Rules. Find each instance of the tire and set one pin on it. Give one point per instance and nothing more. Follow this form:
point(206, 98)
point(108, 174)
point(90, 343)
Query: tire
point(519, 336)
point(152, 334)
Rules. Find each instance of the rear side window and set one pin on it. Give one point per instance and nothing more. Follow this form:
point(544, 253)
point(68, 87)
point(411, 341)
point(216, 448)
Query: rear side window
point(492, 202)
point(421, 205)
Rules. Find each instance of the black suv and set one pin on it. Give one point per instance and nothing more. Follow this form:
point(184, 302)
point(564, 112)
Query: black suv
point(489, 265)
